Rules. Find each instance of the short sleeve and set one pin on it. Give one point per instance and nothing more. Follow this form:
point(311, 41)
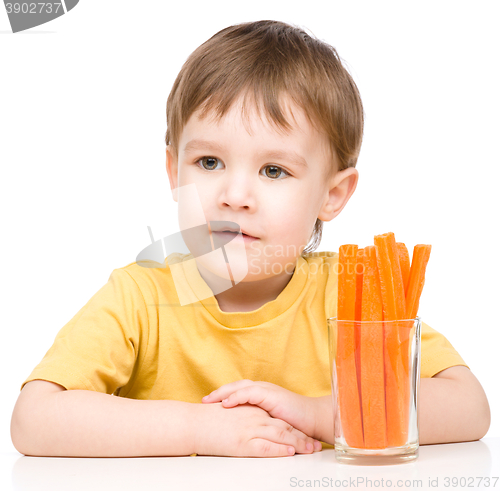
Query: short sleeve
point(98, 348)
point(437, 353)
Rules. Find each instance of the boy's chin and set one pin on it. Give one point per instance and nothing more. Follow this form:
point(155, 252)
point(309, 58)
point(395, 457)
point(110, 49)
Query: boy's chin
point(236, 270)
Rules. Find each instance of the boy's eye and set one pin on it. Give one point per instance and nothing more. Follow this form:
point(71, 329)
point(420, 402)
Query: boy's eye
point(209, 163)
point(274, 172)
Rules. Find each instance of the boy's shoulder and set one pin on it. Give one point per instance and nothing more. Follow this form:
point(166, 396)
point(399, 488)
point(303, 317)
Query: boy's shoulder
point(150, 267)
point(146, 274)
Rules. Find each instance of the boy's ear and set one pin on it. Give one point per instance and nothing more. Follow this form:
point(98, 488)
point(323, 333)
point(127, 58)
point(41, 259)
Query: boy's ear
point(172, 170)
point(340, 189)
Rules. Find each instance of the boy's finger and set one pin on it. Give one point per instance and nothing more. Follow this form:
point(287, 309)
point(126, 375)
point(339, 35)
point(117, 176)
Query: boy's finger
point(225, 390)
point(261, 447)
point(254, 394)
point(315, 444)
point(311, 443)
point(294, 438)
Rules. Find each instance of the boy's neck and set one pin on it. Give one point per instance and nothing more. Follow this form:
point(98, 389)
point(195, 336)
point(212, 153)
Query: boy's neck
point(247, 296)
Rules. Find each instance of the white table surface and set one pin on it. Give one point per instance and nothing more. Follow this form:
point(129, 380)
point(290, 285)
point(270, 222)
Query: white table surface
point(435, 463)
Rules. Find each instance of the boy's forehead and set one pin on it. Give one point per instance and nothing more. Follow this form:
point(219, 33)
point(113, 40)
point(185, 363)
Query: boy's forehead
point(253, 117)
point(240, 111)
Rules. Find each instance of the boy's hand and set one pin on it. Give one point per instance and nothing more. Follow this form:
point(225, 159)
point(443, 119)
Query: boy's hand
point(295, 409)
point(246, 431)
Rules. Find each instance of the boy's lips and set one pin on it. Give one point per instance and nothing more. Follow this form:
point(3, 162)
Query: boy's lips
point(234, 230)
point(229, 233)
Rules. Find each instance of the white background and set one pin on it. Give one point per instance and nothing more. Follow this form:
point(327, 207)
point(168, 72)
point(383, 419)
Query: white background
point(82, 126)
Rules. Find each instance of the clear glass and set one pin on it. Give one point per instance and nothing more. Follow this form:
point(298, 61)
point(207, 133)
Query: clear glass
point(375, 374)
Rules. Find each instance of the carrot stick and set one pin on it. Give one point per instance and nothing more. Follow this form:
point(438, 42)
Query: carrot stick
point(415, 285)
point(391, 279)
point(347, 282)
point(348, 393)
point(394, 307)
point(372, 356)
point(359, 294)
point(421, 254)
point(404, 262)
point(405, 328)
point(359, 282)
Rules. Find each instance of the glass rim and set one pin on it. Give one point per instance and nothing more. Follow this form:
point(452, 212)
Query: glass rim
point(371, 322)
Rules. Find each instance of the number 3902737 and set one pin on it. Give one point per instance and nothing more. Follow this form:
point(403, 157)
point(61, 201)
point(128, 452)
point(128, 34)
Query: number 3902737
point(33, 8)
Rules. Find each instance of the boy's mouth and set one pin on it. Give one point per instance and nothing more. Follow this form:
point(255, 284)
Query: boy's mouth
point(228, 227)
point(231, 232)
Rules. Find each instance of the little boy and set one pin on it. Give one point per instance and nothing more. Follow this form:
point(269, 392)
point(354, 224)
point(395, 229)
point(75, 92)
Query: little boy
point(266, 124)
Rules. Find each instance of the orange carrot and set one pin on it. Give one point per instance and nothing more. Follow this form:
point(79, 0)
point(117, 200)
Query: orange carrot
point(405, 328)
point(347, 282)
point(394, 307)
point(404, 262)
point(391, 279)
point(372, 356)
point(421, 254)
point(359, 282)
point(359, 294)
point(349, 403)
point(415, 285)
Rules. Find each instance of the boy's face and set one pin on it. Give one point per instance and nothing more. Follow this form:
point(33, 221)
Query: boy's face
point(272, 184)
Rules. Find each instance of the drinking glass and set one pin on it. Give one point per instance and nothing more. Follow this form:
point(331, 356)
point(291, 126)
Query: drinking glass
point(375, 375)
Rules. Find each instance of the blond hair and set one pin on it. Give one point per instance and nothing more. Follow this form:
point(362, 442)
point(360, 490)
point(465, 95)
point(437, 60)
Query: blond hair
point(267, 60)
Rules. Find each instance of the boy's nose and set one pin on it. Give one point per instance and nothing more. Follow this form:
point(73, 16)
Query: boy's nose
point(238, 193)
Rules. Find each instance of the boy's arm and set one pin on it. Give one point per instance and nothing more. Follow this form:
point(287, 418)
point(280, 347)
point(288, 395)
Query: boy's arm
point(453, 407)
point(49, 420)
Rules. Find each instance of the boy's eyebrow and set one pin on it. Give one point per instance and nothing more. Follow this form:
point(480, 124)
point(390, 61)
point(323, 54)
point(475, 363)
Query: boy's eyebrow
point(202, 144)
point(290, 156)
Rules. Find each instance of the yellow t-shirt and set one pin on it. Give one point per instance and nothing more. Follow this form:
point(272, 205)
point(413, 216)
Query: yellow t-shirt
point(134, 339)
